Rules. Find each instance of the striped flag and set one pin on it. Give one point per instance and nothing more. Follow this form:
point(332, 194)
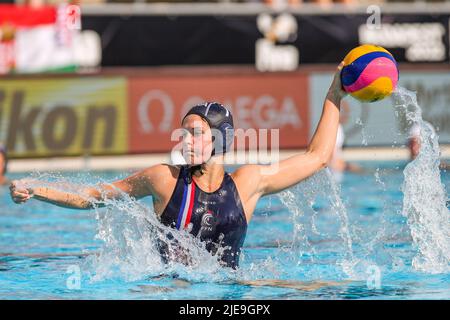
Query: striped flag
point(37, 39)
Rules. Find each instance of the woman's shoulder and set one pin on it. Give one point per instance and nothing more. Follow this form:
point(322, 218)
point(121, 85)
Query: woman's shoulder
point(246, 170)
point(163, 169)
point(247, 176)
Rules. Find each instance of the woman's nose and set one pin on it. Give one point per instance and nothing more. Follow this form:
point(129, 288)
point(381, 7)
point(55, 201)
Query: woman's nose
point(188, 139)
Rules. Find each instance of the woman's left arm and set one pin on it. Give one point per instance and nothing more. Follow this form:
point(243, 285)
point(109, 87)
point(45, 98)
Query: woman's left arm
point(284, 174)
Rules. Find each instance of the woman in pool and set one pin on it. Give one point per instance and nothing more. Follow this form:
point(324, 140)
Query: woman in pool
point(201, 197)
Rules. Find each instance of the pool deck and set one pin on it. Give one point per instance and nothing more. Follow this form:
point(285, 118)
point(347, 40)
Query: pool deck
point(142, 161)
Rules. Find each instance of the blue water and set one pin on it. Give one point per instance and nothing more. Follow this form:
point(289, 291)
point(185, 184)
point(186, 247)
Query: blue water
point(42, 248)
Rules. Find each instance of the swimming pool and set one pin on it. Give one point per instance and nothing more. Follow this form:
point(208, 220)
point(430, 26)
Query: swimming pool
point(317, 241)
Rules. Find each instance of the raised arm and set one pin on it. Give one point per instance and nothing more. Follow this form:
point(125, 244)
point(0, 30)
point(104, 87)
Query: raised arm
point(137, 185)
point(283, 174)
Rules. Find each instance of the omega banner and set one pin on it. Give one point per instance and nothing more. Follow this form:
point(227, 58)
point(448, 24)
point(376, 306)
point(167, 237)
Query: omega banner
point(270, 101)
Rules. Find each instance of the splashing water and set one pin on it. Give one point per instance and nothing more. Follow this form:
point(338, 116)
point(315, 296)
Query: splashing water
point(322, 185)
point(363, 132)
point(132, 237)
point(424, 202)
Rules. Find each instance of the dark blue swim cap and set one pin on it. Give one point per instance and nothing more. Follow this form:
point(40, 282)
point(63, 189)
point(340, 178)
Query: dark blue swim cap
point(220, 118)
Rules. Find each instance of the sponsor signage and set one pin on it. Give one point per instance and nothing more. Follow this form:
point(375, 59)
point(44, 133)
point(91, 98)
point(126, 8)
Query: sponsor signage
point(272, 101)
point(382, 123)
point(49, 117)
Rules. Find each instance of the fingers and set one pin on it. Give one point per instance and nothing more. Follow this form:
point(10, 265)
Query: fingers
point(20, 199)
point(13, 188)
point(339, 69)
point(20, 195)
point(336, 84)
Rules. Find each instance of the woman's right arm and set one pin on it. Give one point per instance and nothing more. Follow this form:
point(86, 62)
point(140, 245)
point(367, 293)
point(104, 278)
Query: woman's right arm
point(137, 185)
point(85, 199)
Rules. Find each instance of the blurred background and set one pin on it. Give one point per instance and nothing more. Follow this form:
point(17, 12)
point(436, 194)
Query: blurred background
point(108, 81)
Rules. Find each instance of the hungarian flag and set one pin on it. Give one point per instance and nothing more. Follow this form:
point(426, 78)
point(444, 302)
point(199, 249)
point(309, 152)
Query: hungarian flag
point(38, 39)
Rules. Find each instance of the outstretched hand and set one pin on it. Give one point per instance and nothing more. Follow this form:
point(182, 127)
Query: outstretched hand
point(19, 194)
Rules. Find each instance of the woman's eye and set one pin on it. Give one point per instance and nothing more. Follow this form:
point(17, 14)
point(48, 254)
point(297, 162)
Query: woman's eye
point(198, 133)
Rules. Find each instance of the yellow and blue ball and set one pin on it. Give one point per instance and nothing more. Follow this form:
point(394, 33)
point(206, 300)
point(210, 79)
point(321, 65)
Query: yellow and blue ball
point(370, 73)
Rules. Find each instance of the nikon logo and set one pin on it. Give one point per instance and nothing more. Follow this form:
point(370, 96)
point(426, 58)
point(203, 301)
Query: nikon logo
point(56, 129)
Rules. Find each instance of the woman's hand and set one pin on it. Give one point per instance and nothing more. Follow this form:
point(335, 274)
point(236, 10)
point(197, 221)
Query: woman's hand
point(336, 92)
point(20, 194)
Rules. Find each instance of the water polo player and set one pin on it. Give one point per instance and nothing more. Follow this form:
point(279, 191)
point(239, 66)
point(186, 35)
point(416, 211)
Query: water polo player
point(201, 197)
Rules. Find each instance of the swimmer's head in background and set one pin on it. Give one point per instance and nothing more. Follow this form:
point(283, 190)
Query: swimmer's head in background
point(219, 118)
point(5, 158)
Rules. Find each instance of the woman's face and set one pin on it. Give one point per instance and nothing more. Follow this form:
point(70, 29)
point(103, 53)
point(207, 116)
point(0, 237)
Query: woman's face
point(197, 140)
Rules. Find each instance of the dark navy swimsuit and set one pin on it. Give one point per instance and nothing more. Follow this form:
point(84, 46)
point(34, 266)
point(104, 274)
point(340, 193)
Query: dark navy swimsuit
point(217, 218)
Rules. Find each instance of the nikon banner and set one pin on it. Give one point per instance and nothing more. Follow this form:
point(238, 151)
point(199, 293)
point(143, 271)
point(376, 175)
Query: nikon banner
point(65, 116)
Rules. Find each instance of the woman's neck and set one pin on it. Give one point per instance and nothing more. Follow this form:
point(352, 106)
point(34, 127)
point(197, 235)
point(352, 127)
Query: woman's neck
point(210, 175)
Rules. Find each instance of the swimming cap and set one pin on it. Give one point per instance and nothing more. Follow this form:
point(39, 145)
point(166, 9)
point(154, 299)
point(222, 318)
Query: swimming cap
point(5, 158)
point(220, 118)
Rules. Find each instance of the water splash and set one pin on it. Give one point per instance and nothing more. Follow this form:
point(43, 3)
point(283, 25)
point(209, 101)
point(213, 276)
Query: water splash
point(131, 238)
point(363, 132)
point(424, 202)
point(320, 185)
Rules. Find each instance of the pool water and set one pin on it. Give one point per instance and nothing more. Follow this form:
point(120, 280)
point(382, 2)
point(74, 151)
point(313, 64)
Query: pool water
point(314, 241)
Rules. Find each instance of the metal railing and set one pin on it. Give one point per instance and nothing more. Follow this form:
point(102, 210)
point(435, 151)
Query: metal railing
point(221, 9)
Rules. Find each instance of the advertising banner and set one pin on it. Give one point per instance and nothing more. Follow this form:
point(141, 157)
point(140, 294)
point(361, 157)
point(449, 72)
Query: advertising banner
point(66, 116)
point(382, 123)
point(62, 117)
point(270, 42)
point(271, 101)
